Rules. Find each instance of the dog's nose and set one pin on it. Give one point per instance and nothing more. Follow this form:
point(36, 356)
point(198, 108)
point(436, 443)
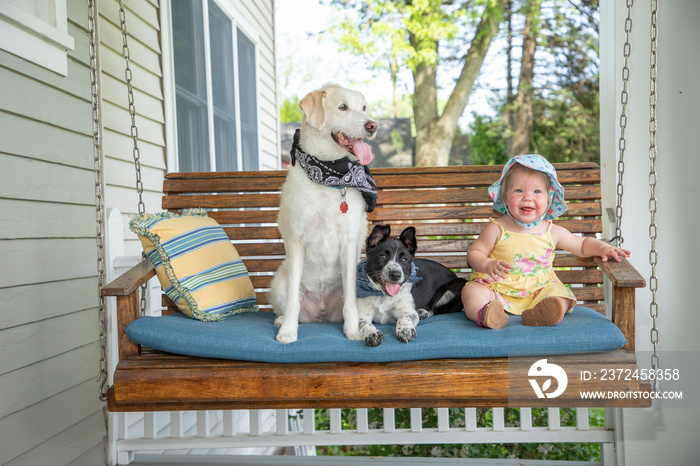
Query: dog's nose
point(395, 276)
point(371, 126)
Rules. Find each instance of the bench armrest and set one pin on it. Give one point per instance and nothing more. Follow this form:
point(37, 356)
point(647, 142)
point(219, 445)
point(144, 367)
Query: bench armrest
point(624, 278)
point(622, 274)
point(131, 280)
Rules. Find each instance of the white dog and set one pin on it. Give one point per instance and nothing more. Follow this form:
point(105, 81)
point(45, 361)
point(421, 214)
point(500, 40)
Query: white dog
point(322, 215)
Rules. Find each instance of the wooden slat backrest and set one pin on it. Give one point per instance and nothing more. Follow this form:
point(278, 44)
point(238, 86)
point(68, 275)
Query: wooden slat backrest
point(448, 206)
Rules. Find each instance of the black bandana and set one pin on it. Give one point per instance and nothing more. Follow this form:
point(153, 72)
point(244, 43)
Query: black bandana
point(337, 173)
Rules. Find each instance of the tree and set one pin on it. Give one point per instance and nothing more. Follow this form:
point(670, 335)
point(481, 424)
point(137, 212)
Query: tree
point(414, 33)
point(562, 86)
point(521, 125)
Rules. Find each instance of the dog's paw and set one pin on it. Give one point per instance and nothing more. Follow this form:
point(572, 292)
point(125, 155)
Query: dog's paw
point(424, 314)
point(279, 321)
point(352, 332)
point(406, 334)
point(374, 338)
point(286, 336)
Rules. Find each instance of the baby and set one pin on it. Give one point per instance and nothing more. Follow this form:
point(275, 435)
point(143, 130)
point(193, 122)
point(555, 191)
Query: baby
point(512, 259)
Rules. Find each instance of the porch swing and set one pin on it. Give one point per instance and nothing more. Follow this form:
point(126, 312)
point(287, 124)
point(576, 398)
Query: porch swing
point(434, 200)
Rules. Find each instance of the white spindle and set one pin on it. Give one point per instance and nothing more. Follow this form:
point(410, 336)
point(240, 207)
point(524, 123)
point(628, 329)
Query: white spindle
point(582, 419)
point(255, 422)
point(122, 425)
point(499, 420)
point(389, 419)
point(309, 421)
point(443, 419)
point(416, 420)
point(362, 421)
point(202, 423)
point(607, 454)
point(470, 419)
point(282, 422)
point(149, 425)
point(229, 430)
point(176, 428)
point(526, 419)
point(553, 419)
point(334, 416)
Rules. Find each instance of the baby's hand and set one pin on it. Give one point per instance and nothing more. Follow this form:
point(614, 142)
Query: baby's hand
point(498, 269)
point(611, 252)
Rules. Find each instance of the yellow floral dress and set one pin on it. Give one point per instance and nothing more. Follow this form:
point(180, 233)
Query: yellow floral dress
point(532, 277)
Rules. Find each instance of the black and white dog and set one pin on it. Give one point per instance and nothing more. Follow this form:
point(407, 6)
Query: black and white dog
point(393, 286)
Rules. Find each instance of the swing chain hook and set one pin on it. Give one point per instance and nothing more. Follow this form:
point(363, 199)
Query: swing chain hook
point(102, 377)
point(653, 256)
point(622, 143)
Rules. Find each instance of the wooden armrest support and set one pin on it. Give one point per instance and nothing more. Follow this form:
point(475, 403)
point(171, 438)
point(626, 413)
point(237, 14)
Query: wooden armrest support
point(625, 279)
point(125, 288)
point(130, 281)
point(622, 274)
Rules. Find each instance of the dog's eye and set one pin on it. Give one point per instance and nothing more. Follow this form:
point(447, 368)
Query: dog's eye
point(404, 259)
point(342, 107)
point(364, 108)
point(382, 256)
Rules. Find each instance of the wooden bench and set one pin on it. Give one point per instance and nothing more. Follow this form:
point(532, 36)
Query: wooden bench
point(448, 206)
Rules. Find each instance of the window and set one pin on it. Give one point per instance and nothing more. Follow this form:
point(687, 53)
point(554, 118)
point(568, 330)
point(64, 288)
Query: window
point(37, 32)
point(215, 89)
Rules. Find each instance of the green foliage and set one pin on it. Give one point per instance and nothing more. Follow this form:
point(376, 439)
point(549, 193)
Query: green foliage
point(381, 28)
point(545, 451)
point(566, 129)
point(397, 141)
point(290, 112)
point(488, 140)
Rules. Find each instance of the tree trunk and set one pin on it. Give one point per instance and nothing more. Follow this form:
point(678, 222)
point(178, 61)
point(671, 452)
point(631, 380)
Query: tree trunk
point(510, 95)
point(394, 67)
point(435, 133)
point(522, 123)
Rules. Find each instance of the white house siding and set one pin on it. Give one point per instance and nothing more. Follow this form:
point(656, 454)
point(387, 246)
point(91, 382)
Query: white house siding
point(660, 435)
point(144, 41)
point(49, 409)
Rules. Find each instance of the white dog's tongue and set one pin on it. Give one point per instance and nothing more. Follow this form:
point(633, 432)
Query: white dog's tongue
point(362, 151)
point(392, 288)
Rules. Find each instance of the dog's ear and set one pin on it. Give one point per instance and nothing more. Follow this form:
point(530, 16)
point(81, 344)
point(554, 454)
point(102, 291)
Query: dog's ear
point(408, 238)
point(312, 106)
point(379, 233)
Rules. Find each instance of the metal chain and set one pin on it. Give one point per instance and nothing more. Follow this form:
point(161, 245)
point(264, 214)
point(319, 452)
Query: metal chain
point(653, 256)
point(126, 52)
point(99, 201)
point(623, 124)
point(132, 108)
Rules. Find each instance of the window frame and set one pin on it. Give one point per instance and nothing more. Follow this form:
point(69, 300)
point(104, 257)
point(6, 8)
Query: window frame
point(238, 24)
point(38, 40)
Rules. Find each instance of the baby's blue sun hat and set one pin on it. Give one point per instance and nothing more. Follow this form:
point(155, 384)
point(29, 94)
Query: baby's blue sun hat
point(557, 205)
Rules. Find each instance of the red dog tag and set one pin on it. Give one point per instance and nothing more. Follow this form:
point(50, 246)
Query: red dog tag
point(343, 204)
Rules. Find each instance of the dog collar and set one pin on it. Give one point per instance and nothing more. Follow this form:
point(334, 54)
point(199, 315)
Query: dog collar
point(339, 173)
point(364, 286)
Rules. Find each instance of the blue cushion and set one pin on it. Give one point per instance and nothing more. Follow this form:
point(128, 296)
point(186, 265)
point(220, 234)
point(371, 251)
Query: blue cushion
point(250, 336)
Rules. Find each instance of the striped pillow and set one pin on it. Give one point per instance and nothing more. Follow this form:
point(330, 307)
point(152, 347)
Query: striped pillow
point(196, 264)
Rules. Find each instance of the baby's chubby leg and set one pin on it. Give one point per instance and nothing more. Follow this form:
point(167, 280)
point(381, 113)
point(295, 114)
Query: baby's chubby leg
point(474, 297)
point(475, 300)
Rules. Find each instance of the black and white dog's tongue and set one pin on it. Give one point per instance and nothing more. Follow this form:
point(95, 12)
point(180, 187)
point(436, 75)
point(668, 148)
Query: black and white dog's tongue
point(392, 288)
